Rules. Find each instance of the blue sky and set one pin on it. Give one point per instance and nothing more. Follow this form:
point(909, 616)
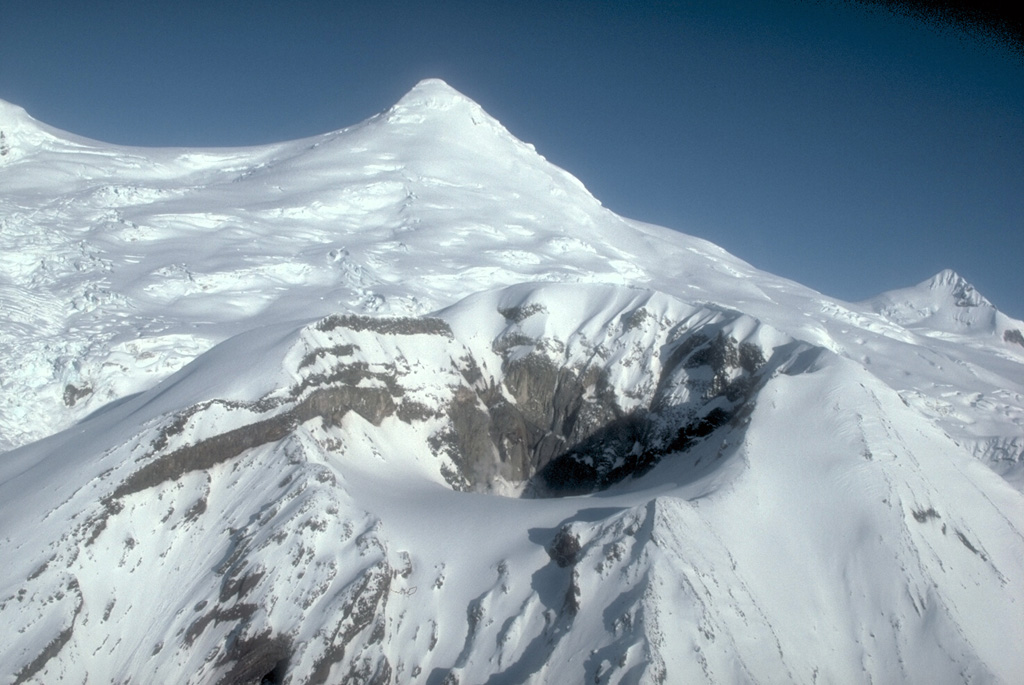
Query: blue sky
point(850, 148)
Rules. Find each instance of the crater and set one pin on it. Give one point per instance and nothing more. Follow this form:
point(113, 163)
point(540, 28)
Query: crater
point(563, 416)
point(565, 431)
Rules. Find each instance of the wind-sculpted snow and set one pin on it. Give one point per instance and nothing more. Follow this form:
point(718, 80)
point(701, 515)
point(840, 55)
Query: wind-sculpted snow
point(403, 404)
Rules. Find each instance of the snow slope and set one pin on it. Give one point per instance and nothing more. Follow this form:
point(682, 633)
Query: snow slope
point(258, 402)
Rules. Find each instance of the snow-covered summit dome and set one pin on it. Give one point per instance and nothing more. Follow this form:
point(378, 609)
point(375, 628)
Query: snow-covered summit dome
point(433, 93)
point(439, 130)
point(438, 109)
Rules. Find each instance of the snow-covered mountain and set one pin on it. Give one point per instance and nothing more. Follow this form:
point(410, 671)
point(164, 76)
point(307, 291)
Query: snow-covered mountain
point(405, 403)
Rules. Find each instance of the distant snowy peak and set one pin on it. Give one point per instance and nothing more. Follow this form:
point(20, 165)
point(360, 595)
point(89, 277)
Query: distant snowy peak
point(949, 283)
point(944, 304)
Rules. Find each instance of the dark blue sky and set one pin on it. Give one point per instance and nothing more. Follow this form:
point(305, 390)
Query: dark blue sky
point(852, 149)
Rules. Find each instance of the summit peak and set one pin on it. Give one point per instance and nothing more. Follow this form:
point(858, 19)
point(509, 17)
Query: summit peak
point(962, 292)
point(18, 131)
point(434, 94)
point(945, 277)
point(433, 100)
point(435, 87)
point(434, 121)
point(12, 116)
point(945, 303)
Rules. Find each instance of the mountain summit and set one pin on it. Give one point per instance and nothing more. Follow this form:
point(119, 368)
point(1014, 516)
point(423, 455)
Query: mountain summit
point(403, 403)
point(435, 108)
point(435, 94)
point(962, 293)
point(20, 132)
point(13, 117)
point(944, 304)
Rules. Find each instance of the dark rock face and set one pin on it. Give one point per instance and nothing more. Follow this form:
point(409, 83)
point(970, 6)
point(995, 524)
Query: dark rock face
point(565, 431)
point(73, 393)
point(565, 547)
point(262, 660)
point(387, 325)
point(516, 438)
point(630, 445)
